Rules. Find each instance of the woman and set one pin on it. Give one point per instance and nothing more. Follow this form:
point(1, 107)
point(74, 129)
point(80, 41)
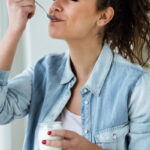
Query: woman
point(102, 99)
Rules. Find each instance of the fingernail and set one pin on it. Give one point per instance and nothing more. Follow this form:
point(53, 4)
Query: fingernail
point(44, 142)
point(49, 132)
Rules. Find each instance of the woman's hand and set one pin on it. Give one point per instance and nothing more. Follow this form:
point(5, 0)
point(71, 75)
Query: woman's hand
point(70, 141)
point(19, 11)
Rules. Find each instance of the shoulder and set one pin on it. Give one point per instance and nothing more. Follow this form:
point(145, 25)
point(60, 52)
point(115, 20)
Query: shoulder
point(126, 68)
point(125, 64)
point(50, 66)
point(52, 61)
point(125, 74)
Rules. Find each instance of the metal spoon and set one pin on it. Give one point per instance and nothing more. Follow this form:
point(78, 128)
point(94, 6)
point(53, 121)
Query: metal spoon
point(49, 16)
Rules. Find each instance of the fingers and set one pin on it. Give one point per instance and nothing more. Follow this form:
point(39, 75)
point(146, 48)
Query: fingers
point(23, 3)
point(63, 133)
point(64, 144)
point(26, 6)
point(19, 11)
point(70, 139)
point(30, 11)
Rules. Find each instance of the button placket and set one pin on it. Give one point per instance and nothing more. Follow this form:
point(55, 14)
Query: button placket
point(86, 113)
point(86, 124)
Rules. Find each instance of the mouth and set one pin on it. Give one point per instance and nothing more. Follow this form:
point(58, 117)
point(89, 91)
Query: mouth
point(55, 19)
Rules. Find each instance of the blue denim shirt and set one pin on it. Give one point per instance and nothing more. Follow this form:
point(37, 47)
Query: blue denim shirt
point(115, 106)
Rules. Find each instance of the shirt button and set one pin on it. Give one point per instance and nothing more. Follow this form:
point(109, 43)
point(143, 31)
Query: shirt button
point(70, 85)
point(85, 131)
point(114, 136)
point(86, 102)
point(85, 90)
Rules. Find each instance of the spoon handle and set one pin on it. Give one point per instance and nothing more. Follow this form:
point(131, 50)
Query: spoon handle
point(49, 16)
point(40, 6)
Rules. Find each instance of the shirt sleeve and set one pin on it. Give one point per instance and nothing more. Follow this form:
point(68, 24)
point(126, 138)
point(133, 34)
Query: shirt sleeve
point(15, 95)
point(139, 115)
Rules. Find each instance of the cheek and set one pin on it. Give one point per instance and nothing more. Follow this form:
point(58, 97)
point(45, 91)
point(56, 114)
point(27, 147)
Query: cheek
point(72, 29)
point(82, 27)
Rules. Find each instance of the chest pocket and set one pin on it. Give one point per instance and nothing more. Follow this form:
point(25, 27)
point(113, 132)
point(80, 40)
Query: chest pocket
point(113, 138)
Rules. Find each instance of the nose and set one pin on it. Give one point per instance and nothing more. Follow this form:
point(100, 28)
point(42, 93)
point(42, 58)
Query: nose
point(55, 8)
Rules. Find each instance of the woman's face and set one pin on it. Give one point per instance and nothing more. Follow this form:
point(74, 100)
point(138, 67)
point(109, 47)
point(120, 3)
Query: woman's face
point(79, 19)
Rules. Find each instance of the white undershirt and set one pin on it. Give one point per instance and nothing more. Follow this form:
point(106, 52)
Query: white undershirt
point(70, 121)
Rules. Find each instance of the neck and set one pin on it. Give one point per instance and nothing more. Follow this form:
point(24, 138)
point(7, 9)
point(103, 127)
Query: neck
point(83, 57)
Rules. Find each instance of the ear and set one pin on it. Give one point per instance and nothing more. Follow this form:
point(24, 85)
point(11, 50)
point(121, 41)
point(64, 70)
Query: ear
point(105, 16)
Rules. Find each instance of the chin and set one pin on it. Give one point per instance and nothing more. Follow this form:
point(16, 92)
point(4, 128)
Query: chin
point(55, 34)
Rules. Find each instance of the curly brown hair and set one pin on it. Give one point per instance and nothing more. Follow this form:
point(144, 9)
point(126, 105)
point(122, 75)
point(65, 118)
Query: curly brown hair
point(129, 30)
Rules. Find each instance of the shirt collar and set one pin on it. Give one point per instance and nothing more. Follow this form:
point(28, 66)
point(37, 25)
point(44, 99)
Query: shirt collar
point(100, 70)
point(67, 74)
point(98, 74)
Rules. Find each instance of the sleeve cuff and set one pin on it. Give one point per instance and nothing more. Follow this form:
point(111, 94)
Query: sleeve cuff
point(4, 77)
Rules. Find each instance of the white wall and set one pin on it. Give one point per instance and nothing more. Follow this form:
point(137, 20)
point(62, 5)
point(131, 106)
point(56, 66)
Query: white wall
point(5, 131)
point(33, 44)
point(40, 42)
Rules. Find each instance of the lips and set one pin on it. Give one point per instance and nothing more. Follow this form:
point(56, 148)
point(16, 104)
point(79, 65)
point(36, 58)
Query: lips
point(55, 19)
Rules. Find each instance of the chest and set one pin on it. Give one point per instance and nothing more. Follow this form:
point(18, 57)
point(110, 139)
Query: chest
point(100, 113)
point(74, 103)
